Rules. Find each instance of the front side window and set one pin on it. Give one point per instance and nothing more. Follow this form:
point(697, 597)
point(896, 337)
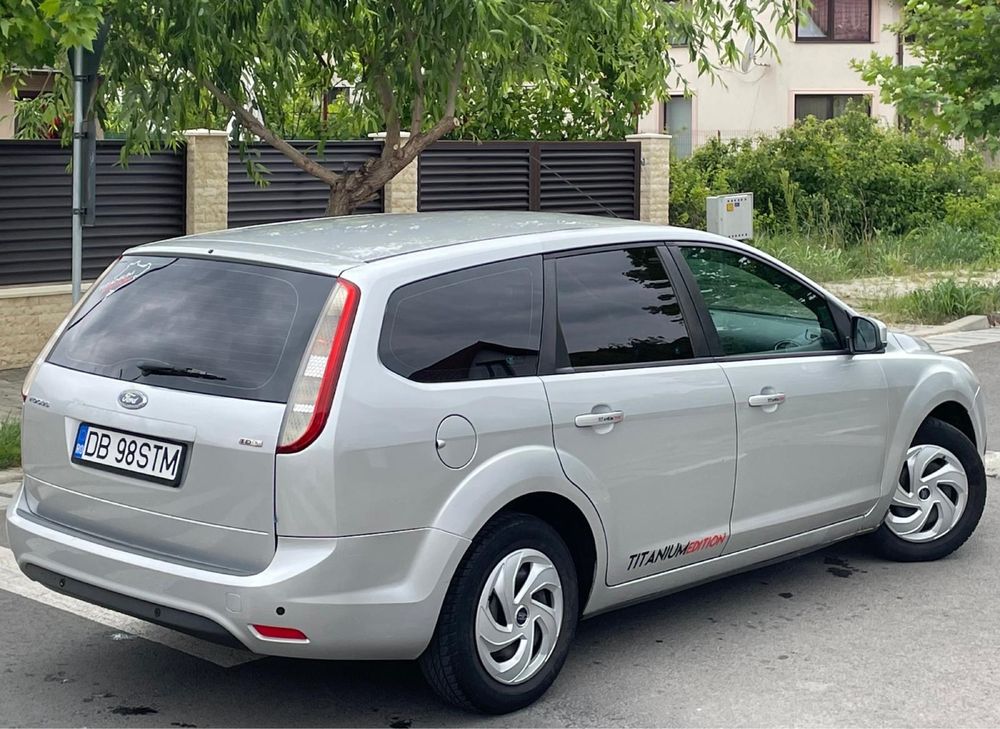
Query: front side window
point(757, 309)
point(617, 308)
point(836, 20)
point(475, 324)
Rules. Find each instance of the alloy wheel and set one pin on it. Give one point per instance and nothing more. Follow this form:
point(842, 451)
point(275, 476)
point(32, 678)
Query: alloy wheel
point(931, 495)
point(519, 616)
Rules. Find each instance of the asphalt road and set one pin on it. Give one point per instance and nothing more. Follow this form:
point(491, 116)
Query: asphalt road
point(835, 638)
point(985, 362)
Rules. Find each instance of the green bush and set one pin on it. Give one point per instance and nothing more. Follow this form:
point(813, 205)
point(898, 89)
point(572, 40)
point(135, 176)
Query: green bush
point(10, 444)
point(944, 301)
point(847, 178)
point(936, 247)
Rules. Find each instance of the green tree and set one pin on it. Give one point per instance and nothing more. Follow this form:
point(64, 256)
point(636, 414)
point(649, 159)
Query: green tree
point(955, 87)
point(568, 66)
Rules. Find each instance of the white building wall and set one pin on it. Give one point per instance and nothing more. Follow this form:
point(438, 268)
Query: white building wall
point(762, 100)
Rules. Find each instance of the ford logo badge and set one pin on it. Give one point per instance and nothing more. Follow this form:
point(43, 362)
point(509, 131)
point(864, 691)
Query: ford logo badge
point(132, 399)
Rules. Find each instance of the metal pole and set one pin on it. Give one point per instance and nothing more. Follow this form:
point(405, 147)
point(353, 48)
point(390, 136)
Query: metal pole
point(77, 269)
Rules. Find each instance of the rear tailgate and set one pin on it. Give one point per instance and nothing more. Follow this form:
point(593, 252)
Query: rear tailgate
point(155, 420)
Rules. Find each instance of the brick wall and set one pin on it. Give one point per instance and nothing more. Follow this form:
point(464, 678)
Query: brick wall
point(28, 316)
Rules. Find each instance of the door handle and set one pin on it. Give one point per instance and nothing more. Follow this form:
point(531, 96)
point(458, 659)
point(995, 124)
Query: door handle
point(590, 420)
point(763, 401)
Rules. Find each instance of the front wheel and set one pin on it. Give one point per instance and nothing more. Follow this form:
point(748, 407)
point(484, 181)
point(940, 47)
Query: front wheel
point(939, 497)
point(507, 620)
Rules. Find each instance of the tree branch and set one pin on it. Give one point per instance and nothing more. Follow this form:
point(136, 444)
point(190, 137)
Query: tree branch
point(456, 80)
point(416, 68)
point(251, 122)
point(390, 114)
point(364, 183)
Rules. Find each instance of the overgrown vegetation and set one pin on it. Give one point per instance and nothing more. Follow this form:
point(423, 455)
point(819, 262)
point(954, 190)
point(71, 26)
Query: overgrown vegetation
point(944, 301)
point(940, 246)
point(851, 189)
point(10, 444)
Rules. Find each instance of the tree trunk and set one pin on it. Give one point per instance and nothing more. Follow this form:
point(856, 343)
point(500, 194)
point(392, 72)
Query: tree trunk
point(339, 202)
point(360, 186)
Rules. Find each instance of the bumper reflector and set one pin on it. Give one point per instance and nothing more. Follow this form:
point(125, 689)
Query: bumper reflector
point(279, 633)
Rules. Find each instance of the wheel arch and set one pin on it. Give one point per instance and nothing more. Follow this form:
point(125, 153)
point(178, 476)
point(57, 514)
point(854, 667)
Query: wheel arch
point(572, 526)
point(530, 480)
point(922, 389)
point(956, 415)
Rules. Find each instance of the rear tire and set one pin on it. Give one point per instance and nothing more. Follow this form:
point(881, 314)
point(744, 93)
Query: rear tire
point(942, 466)
point(459, 664)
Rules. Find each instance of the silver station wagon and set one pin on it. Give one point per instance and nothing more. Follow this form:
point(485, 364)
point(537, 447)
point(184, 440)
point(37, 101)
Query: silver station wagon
point(448, 437)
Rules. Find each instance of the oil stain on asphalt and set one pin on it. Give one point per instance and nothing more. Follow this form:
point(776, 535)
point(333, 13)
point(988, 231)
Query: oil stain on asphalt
point(841, 567)
point(133, 710)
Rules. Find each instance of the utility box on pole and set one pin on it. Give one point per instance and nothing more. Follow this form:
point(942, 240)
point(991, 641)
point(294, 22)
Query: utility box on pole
point(731, 215)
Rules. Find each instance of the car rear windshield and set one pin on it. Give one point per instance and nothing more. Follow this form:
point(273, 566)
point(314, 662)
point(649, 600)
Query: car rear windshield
point(209, 326)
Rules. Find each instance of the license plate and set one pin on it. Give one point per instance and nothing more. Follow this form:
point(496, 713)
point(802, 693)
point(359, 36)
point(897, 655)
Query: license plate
point(115, 450)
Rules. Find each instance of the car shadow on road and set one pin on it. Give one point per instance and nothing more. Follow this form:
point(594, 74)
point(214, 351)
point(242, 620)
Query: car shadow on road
point(291, 692)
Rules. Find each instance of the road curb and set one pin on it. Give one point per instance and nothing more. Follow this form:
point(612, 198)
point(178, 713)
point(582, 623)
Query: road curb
point(992, 463)
point(965, 324)
point(10, 480)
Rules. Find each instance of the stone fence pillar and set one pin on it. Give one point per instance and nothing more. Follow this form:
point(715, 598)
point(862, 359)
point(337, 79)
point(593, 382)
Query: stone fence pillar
point(207, 180)
point(401, 190)
point(654, 180)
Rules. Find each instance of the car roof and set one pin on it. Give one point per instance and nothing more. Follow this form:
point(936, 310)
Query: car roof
point(332, 245)
point(342, 242)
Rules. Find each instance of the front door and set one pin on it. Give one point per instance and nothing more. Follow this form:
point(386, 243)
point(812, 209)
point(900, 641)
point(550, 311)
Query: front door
point(812, 418)
point(641, 424)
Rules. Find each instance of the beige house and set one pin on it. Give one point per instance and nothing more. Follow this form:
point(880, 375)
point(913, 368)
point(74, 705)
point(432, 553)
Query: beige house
point(33, 83)
point(811, 74)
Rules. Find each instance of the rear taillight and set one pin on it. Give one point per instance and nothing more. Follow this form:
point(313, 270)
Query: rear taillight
point(312, 392)
point(33, 370)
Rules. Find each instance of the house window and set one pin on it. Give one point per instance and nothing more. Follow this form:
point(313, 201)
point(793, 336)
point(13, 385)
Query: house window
point(827, 106)
point(677, 123)
point(836, 20)
point(25, 95)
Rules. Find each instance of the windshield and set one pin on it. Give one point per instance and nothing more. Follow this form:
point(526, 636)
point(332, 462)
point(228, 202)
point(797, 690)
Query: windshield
point(216, 327)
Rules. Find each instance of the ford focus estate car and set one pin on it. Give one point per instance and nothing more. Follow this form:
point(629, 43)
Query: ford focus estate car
point(448, 437)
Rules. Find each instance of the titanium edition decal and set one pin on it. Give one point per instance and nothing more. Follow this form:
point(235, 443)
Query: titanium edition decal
point(652, 556)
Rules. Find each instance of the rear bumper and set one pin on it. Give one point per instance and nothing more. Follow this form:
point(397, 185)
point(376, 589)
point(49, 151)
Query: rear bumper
point(368, 597)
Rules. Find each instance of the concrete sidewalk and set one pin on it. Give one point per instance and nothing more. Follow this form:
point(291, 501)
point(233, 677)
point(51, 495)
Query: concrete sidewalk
point(10, 393)
point(10, 479)
point(876, 287)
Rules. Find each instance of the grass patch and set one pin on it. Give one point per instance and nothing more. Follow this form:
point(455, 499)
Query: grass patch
point(10, 444)
point(944, 301)
point(827, 257)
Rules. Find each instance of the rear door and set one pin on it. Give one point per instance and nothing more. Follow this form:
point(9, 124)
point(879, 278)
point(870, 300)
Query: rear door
point(812, 417)
point(643, 422)
point(154, 420)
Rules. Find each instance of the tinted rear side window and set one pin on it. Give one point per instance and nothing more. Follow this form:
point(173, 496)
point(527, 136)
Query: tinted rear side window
point(475, 324)
point(242, 327)
point(618, 307)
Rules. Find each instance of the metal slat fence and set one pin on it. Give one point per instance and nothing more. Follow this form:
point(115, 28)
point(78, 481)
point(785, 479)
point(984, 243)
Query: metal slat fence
point(598, 178)
point(290, 193)
point(142, 202)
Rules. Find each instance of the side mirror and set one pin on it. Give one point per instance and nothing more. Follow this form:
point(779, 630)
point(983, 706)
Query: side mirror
point(868, 335)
